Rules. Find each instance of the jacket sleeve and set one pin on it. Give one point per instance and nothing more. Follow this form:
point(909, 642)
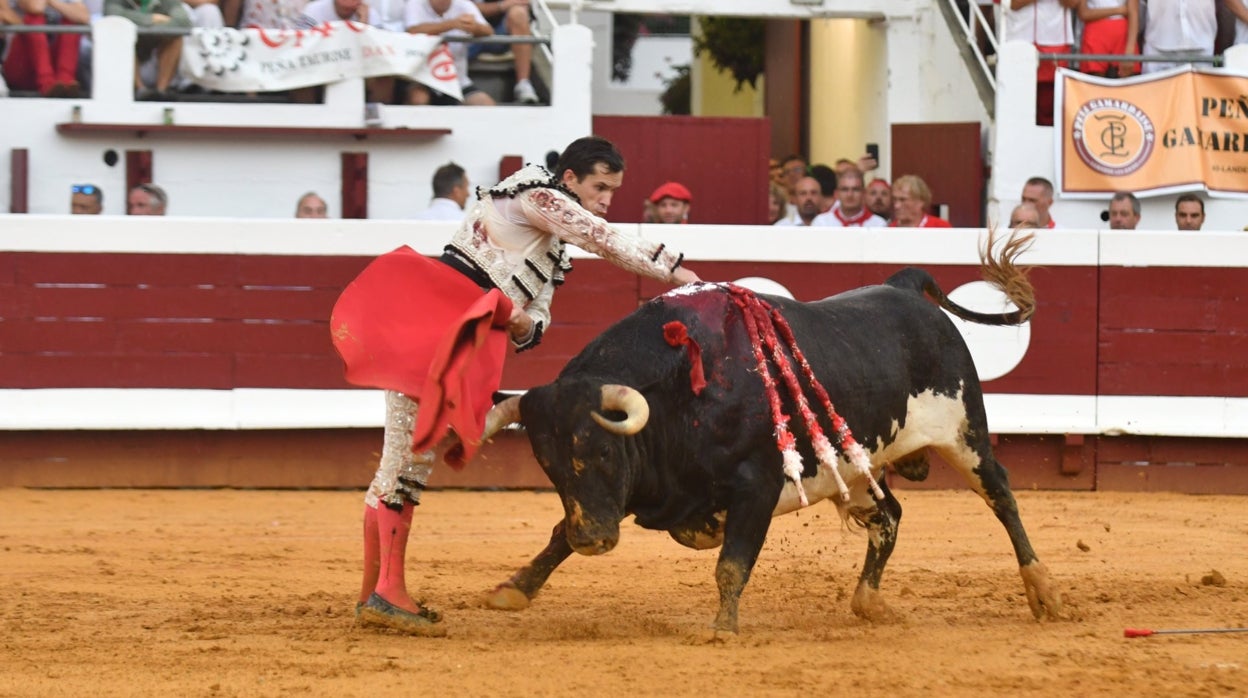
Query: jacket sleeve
point(554, 212)
point(539, 310)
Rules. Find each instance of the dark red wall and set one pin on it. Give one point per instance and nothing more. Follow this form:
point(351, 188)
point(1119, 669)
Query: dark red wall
point(225, 321)
point(723, 162)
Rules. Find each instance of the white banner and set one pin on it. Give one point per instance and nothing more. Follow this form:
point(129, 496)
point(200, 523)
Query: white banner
point(270, 60)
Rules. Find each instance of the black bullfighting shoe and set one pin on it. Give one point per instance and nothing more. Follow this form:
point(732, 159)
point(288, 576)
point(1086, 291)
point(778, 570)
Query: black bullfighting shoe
point(378, 611)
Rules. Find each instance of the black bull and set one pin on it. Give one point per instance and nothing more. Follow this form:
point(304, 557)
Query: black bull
point(706, 467)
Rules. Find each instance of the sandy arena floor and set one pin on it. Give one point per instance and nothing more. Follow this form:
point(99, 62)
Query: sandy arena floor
point(243, 593)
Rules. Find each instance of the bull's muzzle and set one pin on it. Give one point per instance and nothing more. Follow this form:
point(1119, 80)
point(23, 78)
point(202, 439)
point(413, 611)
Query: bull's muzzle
point(588, 537)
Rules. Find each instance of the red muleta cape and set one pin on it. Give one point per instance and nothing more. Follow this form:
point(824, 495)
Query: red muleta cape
point(415, 325)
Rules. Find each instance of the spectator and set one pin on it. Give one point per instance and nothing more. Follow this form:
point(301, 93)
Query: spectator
point(911, 199)
point(1024, 215)
point(776, 172)
point(391, 16)
point(156, 13)
point(880, 198)
point(865, 164)
point(86, 199)
point(311, 205)
point(792, 170)
point(146, 200)
point(671, 203)
point(388, 14)
point(510, 18)
point(265, 14)
point(809, 201)
point(317, 12)
point(1124, 211)
point(777, 203)
point(1189, 212)
point(1046, 25)
point(1239, 10)
point(826, 176)
point(1177, 27)
point(448, 18)
point(450, 194)
point(47, 63)
point(850, 211)
point(1038, 192)
point(1110, 27)
point(205, 14)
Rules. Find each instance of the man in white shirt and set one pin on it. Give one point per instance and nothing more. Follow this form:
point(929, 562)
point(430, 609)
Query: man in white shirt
point(1176, 27)
point(450, 194)
point(1038, 192)
point(850, 211)
point(318, 12)
point(808, 204)
point(449, 18)
point(1046, 25)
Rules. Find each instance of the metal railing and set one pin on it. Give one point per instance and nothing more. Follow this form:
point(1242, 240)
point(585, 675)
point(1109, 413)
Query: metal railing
point(184, 31)
point(1215, 60)
point(969, 27)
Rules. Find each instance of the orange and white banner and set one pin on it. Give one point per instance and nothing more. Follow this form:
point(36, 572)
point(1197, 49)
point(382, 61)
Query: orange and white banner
point(268, 60)
point(1157, 134)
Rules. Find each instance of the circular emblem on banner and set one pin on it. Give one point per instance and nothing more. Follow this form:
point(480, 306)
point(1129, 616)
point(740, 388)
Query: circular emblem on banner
point(1113, 136)
point(442, 64)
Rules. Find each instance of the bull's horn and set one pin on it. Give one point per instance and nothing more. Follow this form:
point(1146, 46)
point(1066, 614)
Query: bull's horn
point(627, 400)
point(501, 415)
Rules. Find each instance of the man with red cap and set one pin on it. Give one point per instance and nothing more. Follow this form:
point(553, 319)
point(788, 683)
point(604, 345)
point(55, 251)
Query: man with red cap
point(670, 203)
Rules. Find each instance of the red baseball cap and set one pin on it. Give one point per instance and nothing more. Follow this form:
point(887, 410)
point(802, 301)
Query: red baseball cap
point(674, 190)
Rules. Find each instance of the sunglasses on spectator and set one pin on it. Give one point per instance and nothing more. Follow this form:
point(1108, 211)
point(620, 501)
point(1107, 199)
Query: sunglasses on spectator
point(88, 189)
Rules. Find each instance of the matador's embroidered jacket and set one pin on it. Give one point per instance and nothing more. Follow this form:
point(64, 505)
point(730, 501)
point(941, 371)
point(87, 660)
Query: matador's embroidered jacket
point(516, 235)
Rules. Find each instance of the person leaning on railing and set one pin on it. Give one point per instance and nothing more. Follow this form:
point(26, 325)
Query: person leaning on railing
point(43, 62)
point(168, 48)
point(1109, 27)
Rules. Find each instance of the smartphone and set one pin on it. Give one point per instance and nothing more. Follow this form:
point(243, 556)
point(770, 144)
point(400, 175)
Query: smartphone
point(873, 149)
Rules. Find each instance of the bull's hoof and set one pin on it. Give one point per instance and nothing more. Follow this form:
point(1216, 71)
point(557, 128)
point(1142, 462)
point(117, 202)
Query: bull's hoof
point(1044, 600)
point(381, 613)
point(715, 636)
point(507, 598)
point(868, 604)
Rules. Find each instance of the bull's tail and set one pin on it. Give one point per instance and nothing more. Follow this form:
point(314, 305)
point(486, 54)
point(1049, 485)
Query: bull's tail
point(999, 270)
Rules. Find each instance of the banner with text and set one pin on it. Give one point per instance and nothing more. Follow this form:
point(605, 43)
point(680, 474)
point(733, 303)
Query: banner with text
point(269, 60)
point(1152, 134)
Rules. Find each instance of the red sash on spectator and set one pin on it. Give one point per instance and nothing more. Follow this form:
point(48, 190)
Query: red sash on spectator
point(853, 221)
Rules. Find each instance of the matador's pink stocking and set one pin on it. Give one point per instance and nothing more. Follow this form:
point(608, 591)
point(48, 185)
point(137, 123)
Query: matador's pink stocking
point(372, 554)
point(393, 528)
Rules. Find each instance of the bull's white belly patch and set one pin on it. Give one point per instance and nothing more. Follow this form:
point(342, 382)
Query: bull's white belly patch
point(931, 420)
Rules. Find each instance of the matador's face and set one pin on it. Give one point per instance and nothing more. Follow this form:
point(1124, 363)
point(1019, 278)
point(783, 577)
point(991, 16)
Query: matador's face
point(595, 189)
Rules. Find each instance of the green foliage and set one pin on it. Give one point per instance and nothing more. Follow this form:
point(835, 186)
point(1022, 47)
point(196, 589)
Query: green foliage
point(677, 98)
point(735, 44)
point(624, 31)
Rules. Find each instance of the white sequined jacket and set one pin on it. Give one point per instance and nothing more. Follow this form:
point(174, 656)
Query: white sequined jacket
point(517, 237)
